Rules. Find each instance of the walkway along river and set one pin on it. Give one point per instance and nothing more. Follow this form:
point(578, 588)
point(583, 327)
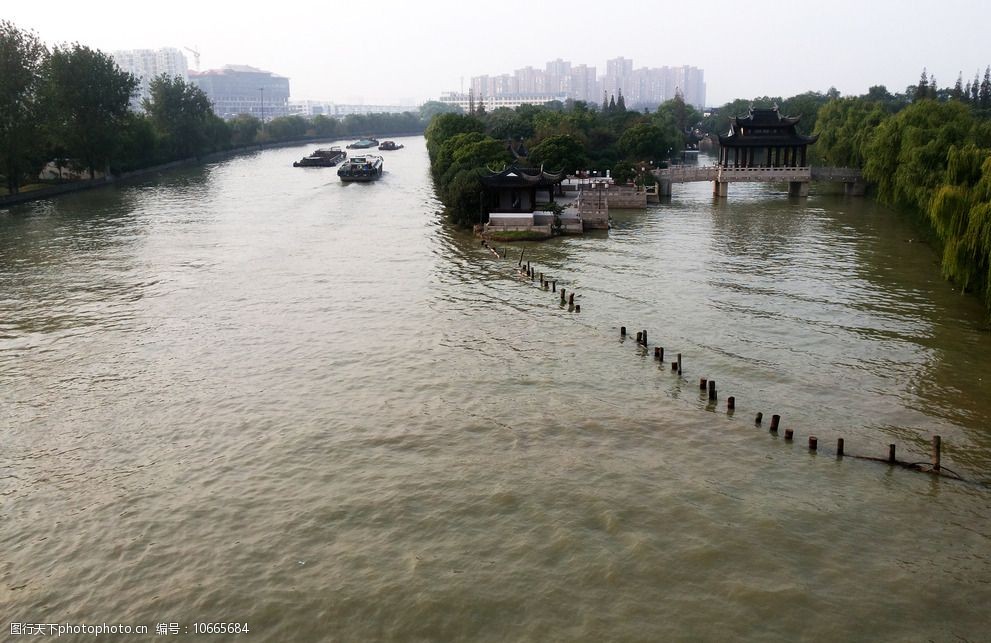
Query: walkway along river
point(250, 393)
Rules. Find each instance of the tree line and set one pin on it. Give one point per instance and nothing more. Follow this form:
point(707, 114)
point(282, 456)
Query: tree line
point(928, 152)
point(567, 136)
point(72, 105)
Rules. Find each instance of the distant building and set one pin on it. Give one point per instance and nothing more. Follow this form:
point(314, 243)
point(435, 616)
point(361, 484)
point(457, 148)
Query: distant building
point(326, 108)
point(240, 89)
point(639, 87)
point(146, 64)
point(490, 103)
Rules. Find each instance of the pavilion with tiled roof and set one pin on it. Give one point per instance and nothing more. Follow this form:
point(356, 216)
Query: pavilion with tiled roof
point(764, 138)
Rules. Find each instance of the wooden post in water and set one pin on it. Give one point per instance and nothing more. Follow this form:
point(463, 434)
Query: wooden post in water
point(839, 448)
point(730, 403)
point(674, 366)
point(679, 363)
point(622, 331)
point(937, 452)
point(775, 420)
point(759, 419)
point(712, 389)
point(660, 353)
point(703, 384)
point(644, 336)
point(639, 337)
point(578, 308)
point(657, 352)
point(813, 443)
point(521, 257)
point(562, 295)
point(891, 454)
point(571, 299)
point(554, 286)
point(789, 434)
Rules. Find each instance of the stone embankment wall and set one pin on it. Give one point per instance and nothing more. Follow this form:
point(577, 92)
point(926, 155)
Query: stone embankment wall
point(626, 196)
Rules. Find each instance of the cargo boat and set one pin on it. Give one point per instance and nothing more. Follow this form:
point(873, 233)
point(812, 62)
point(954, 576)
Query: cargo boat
point(322, 158)
point(361, 168)
point(363, 143)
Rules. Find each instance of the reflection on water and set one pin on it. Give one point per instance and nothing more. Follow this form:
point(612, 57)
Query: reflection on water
point(250, 392)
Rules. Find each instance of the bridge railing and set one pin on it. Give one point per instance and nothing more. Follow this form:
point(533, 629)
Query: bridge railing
point(838, 174)
point(688, 173)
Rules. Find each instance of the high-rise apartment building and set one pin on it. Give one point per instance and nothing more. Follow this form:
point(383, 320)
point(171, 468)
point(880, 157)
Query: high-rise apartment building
point(557, 75)
point(640, 87)
point(146, 64)
point(584, 84)
point(240, 89)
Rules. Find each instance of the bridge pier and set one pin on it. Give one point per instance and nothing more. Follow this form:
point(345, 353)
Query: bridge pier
point(798, 188)
point(720, 189)
point(855, 188)
point(664, 187)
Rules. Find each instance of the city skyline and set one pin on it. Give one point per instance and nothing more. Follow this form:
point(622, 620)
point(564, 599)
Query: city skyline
point(408, 54)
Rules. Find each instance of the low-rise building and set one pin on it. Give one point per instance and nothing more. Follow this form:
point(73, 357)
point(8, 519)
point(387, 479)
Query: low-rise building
point(241, 89)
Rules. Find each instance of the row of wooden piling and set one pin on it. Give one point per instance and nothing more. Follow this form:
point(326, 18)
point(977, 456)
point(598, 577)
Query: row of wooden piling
point(708, 386)
point(530, 272)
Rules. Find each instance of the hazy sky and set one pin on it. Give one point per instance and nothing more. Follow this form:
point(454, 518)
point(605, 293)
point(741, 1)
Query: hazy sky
point(384, 51)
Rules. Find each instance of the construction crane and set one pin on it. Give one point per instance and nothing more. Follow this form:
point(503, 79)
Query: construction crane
point(196, 56)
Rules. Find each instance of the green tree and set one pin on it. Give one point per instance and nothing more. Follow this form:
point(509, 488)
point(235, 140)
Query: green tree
point(89, 101)
point(504, 123)
point(444, 126)
point(907, 153)
point(960, 213)
point(807, 106)
point(21, 60)
point(138, 145)
point(182, 116)
point(844, 127)
point(245, 128)
point(460, 184)
point(984, 96)
point(623, 172)
point(648, 141)
point(562, 152)
point(957, 92)
point(432, 108)
point(288, 128)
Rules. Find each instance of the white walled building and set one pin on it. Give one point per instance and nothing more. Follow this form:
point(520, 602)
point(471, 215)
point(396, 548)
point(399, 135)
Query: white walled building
point(491, 103)
point(146, 64)
point(327, 108)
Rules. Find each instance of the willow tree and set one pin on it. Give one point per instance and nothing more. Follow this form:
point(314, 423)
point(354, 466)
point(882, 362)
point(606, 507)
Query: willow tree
point(960, 213)
point(844, 127)
point(21, 58)
point(906, 155)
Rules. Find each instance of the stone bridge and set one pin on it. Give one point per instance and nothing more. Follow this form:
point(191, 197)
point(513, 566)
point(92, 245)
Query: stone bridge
point(798, 178)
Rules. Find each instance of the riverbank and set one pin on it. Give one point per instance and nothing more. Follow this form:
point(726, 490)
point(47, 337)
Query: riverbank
point(215, 157)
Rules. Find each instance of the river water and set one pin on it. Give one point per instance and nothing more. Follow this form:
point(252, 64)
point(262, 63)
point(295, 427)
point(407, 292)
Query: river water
point(249, 393)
